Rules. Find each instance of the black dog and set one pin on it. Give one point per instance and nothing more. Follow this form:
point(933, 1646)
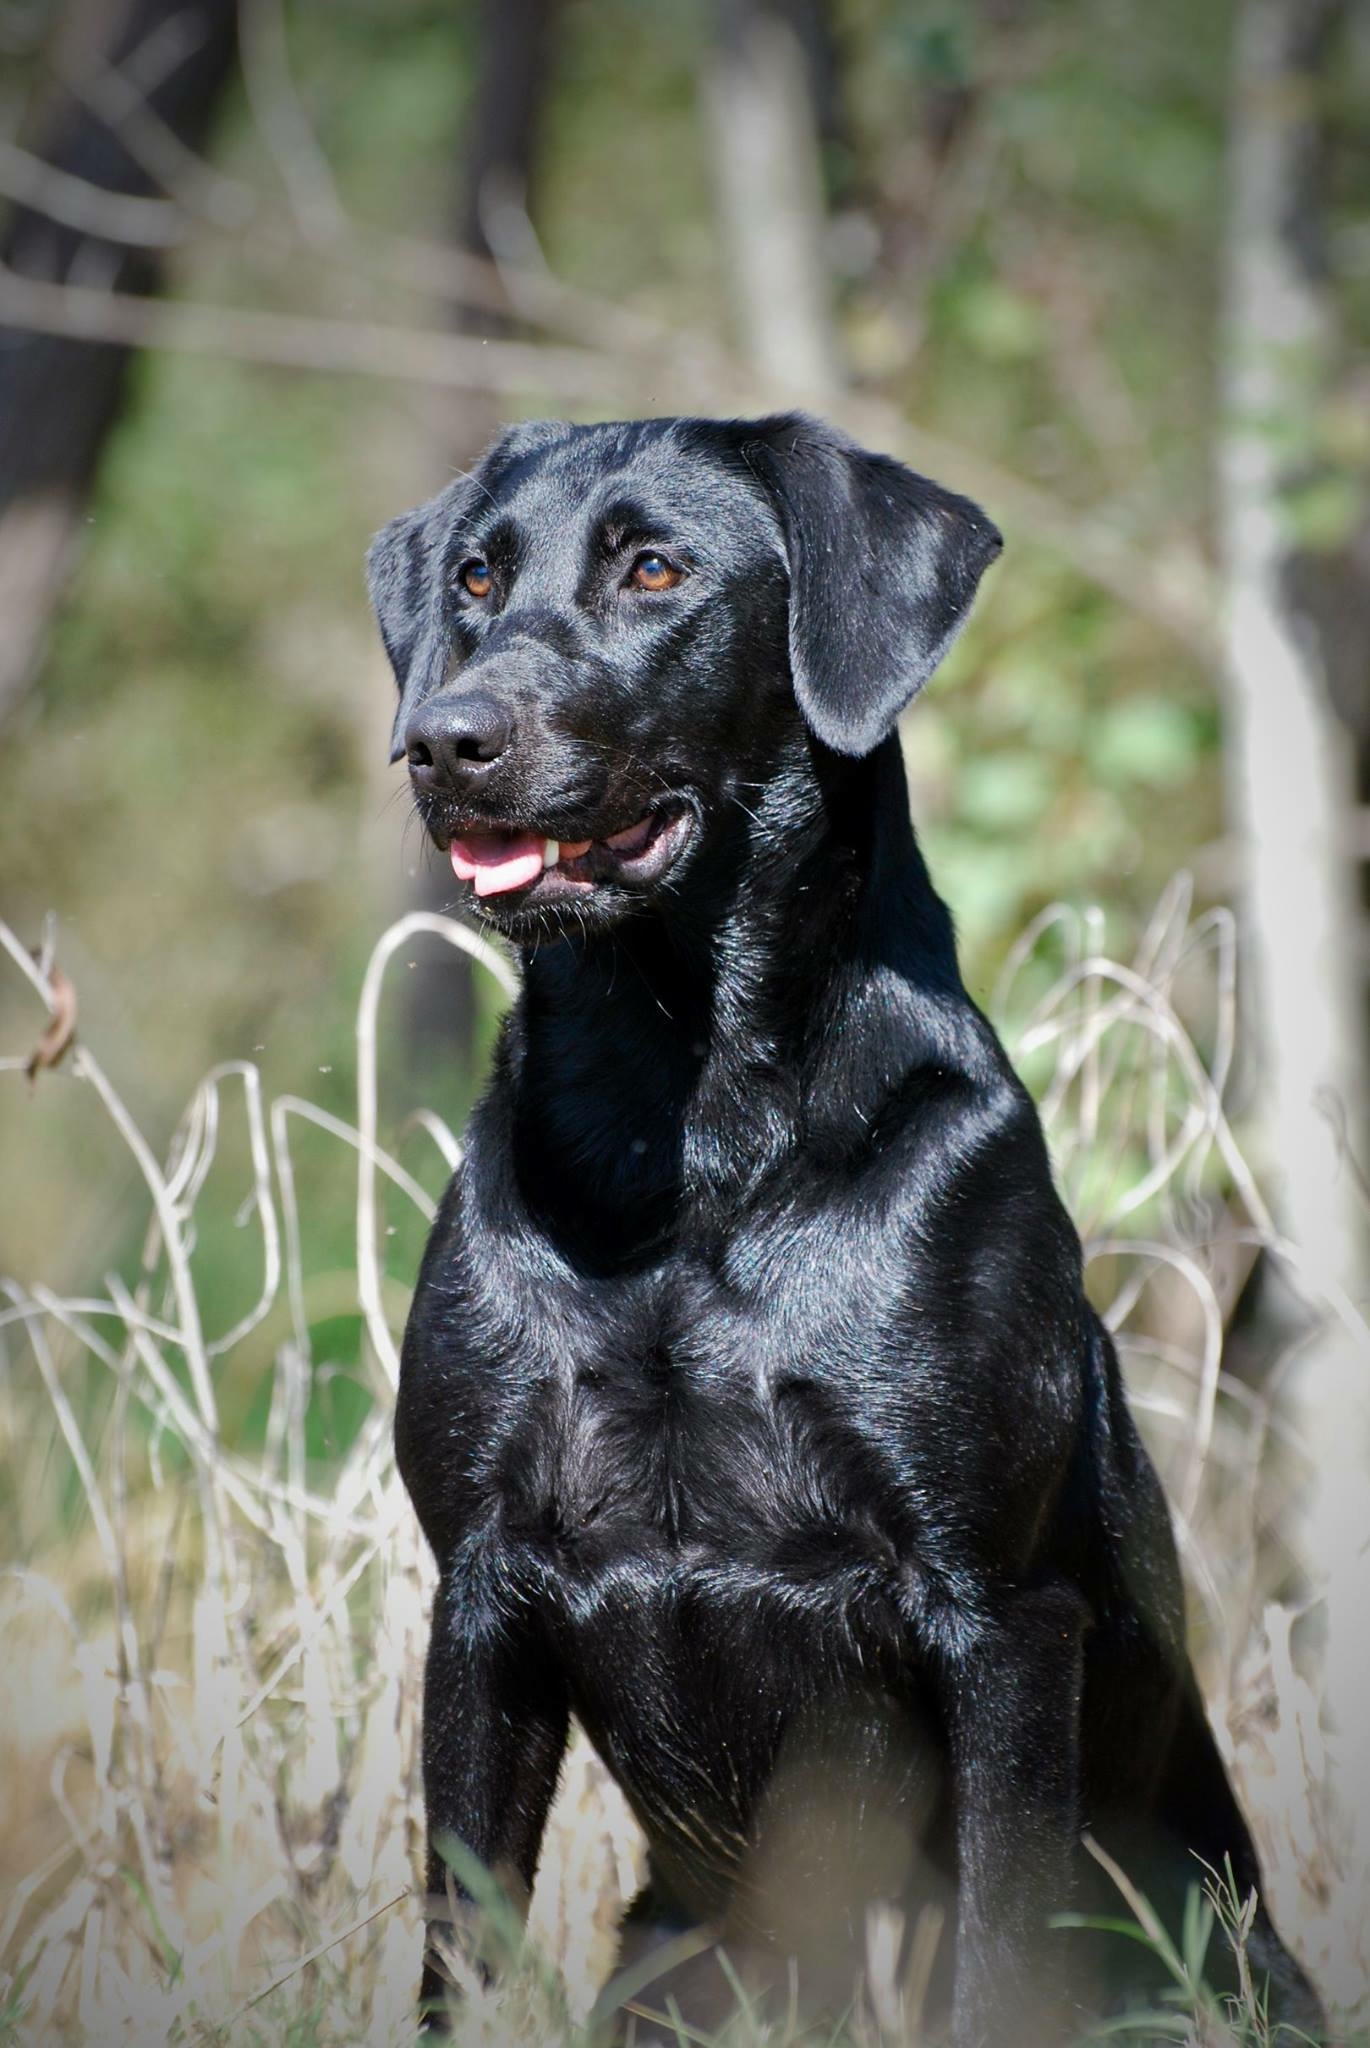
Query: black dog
point(751, 1401)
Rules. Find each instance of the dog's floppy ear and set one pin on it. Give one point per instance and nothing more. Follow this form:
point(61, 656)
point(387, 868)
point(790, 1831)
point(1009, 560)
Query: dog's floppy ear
point(405, 569)
point(883, 567)
point(408, 561)
point(400, 575)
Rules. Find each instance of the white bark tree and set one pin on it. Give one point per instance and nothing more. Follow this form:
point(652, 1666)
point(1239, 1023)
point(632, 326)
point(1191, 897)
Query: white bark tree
point(1290, 788)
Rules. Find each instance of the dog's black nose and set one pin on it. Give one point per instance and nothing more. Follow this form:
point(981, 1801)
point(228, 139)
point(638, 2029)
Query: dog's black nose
point(454, 743)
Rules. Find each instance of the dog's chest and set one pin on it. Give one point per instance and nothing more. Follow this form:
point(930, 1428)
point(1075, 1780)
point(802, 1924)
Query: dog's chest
point(688, 1436)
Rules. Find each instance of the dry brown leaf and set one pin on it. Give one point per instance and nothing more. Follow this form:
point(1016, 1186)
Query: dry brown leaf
point(61, 1027)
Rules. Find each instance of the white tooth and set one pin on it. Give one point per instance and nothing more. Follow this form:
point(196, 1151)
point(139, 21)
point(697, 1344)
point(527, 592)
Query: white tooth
point(551, 852)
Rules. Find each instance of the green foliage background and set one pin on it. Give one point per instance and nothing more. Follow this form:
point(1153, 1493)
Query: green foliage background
point(198, 789)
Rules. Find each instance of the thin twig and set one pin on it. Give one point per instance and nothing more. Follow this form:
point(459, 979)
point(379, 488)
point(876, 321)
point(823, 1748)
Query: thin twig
point(368, 1257)
point(322, 1949)
point(284, 125)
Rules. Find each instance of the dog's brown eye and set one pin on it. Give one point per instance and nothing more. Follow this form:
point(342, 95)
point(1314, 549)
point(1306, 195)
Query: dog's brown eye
point(654, 572)
point(476, 578)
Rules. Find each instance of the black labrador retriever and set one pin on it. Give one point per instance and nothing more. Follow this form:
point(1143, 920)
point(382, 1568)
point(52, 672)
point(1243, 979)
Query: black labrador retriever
point(751, 1401)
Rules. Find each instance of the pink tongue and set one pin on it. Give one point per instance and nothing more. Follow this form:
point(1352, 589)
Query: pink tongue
point(496, 861)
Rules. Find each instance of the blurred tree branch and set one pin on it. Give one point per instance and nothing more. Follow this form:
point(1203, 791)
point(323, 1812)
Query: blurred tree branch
point(90, 209)
point(306, 341)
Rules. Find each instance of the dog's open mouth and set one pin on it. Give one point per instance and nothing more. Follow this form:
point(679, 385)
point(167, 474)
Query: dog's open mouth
point(502, 858)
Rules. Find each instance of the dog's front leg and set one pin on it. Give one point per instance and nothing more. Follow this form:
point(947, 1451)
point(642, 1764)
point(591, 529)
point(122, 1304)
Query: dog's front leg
point(1013, 1691)
point(494, 1732)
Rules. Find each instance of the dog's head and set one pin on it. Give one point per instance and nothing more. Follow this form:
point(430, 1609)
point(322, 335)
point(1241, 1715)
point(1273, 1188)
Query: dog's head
point(603, 632)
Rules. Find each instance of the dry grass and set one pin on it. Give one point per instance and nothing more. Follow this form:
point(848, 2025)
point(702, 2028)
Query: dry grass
point(208, 1710)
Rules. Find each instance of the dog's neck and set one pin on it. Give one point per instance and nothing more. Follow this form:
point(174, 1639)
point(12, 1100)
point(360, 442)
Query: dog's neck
point(783, 995)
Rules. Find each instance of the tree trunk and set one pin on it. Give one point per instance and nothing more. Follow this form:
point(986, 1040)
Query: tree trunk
point(59, 398)
point(762, 107)
point(1290, 769)
point(499, 161)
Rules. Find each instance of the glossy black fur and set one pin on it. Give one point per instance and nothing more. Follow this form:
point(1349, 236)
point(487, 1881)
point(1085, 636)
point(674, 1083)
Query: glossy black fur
point(751, 1402)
